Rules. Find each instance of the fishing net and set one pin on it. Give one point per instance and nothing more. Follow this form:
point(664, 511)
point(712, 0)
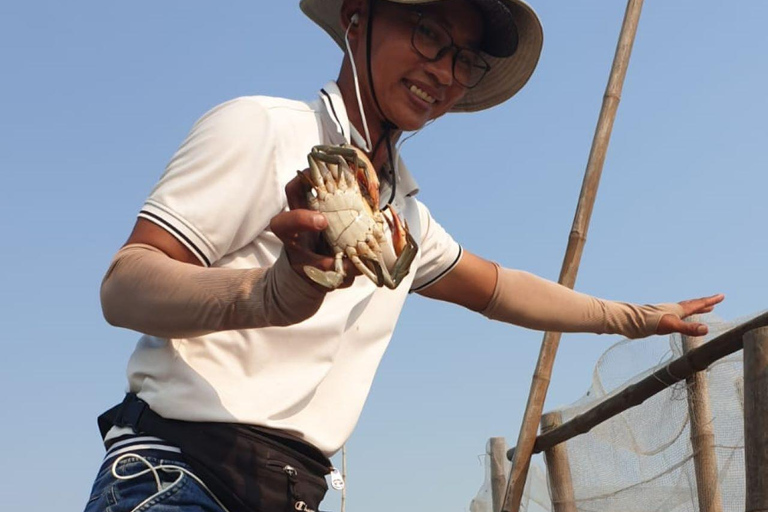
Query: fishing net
point(535, 496)
point(642, 459)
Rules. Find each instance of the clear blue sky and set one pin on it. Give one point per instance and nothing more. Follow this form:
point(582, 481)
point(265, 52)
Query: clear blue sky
point(96, 96)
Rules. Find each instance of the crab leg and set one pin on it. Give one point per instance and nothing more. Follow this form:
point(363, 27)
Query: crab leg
point(372, 251)
point(362, 174)
point(316, 179)
point(403, 263)
point(342, 175)
point(329, 278)
point(352, 253)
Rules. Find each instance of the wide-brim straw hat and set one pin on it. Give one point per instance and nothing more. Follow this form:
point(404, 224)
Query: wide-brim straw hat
point(506, 22)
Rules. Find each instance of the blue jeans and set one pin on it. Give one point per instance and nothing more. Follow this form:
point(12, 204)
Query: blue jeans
point(137, 490)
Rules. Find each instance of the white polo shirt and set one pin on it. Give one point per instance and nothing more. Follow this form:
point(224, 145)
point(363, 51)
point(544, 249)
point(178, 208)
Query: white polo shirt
point(217, 196)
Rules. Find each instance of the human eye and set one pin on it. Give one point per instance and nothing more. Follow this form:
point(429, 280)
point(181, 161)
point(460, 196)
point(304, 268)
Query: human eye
point(428, 32)
point(467, 60)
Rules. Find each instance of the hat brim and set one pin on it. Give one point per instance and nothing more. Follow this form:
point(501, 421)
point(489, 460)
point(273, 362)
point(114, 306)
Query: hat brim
point(507, 75)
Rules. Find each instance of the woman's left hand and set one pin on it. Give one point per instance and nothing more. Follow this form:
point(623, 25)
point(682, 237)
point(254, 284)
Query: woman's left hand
point(672, 323)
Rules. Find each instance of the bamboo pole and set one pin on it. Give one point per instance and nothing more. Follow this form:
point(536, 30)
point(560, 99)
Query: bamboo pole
point(702, 434)
point(756, 418)
point(573, 253)
point(696, 360)
point(498, 453)
point(558, 468)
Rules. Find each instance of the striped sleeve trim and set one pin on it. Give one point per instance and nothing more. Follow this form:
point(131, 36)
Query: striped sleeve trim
point(177, 233)
point(441, 274)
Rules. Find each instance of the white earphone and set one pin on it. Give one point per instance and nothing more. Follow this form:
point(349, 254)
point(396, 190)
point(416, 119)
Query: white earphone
point(354, 20)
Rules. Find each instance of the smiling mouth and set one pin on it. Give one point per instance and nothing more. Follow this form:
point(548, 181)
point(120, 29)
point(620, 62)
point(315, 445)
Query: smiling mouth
point(422, 94)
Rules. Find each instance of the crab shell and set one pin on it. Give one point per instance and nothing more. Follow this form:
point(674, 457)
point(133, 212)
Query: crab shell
point(343, 185)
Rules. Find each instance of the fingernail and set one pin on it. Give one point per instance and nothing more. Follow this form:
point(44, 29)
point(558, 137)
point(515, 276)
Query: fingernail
point(702, 329)
point(319, 221)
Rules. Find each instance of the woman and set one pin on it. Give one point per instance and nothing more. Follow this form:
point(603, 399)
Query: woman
point(250, 374)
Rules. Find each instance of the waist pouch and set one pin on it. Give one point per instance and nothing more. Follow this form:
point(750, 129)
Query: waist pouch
point(248, 468)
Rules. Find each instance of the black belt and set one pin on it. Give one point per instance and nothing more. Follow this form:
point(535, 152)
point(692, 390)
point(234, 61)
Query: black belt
point(131, 412)
point(249, 468)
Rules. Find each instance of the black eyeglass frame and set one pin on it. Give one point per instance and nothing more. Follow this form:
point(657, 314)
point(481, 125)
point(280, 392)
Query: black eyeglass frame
point(452, 45)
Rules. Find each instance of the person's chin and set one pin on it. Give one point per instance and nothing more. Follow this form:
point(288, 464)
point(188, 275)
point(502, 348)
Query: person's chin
point(412, 114)
point(410, 124)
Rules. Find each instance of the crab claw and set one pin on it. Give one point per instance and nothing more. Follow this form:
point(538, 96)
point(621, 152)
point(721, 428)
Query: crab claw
point(399, 230)
point(367, 178)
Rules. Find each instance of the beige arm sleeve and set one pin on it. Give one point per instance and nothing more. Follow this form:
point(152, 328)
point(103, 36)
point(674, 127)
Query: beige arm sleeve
point(147, 291)
point(529, 301)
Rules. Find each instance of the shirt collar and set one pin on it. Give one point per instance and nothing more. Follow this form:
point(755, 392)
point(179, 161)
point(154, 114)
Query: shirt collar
point(336, 112)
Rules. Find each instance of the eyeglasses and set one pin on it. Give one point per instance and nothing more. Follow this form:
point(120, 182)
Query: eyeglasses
point(432, 40)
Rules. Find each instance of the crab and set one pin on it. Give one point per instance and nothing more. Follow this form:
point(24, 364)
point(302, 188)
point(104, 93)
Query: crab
point(343, 185)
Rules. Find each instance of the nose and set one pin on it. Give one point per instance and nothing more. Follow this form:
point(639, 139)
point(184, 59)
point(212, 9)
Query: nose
point(442, 69)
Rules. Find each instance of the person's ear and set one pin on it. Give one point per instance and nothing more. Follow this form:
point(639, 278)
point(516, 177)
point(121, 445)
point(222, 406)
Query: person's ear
point(350, 24)
point(350, 16)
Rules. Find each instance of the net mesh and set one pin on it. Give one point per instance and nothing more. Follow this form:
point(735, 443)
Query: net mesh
point(535, 496)
point(642, 459)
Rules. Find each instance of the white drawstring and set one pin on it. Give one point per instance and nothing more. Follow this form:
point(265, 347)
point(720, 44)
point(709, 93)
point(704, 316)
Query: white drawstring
point(369, 145)
point(153, 469)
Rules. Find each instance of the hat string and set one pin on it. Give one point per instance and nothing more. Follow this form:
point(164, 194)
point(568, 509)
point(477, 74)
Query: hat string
point(369, 145)
point(388, 125)
point(393, 153)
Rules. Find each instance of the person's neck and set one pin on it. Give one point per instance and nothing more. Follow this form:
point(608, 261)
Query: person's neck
point(376, 122)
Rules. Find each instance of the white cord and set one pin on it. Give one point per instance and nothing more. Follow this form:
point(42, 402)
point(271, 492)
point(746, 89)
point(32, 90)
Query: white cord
point(399, 148)
point(369, 144)
point(162, 467)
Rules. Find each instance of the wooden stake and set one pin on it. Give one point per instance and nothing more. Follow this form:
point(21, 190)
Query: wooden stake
point(573, 254)
point(558, 468)
point(702, 434)
point(498, 453)
point(756, 418)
